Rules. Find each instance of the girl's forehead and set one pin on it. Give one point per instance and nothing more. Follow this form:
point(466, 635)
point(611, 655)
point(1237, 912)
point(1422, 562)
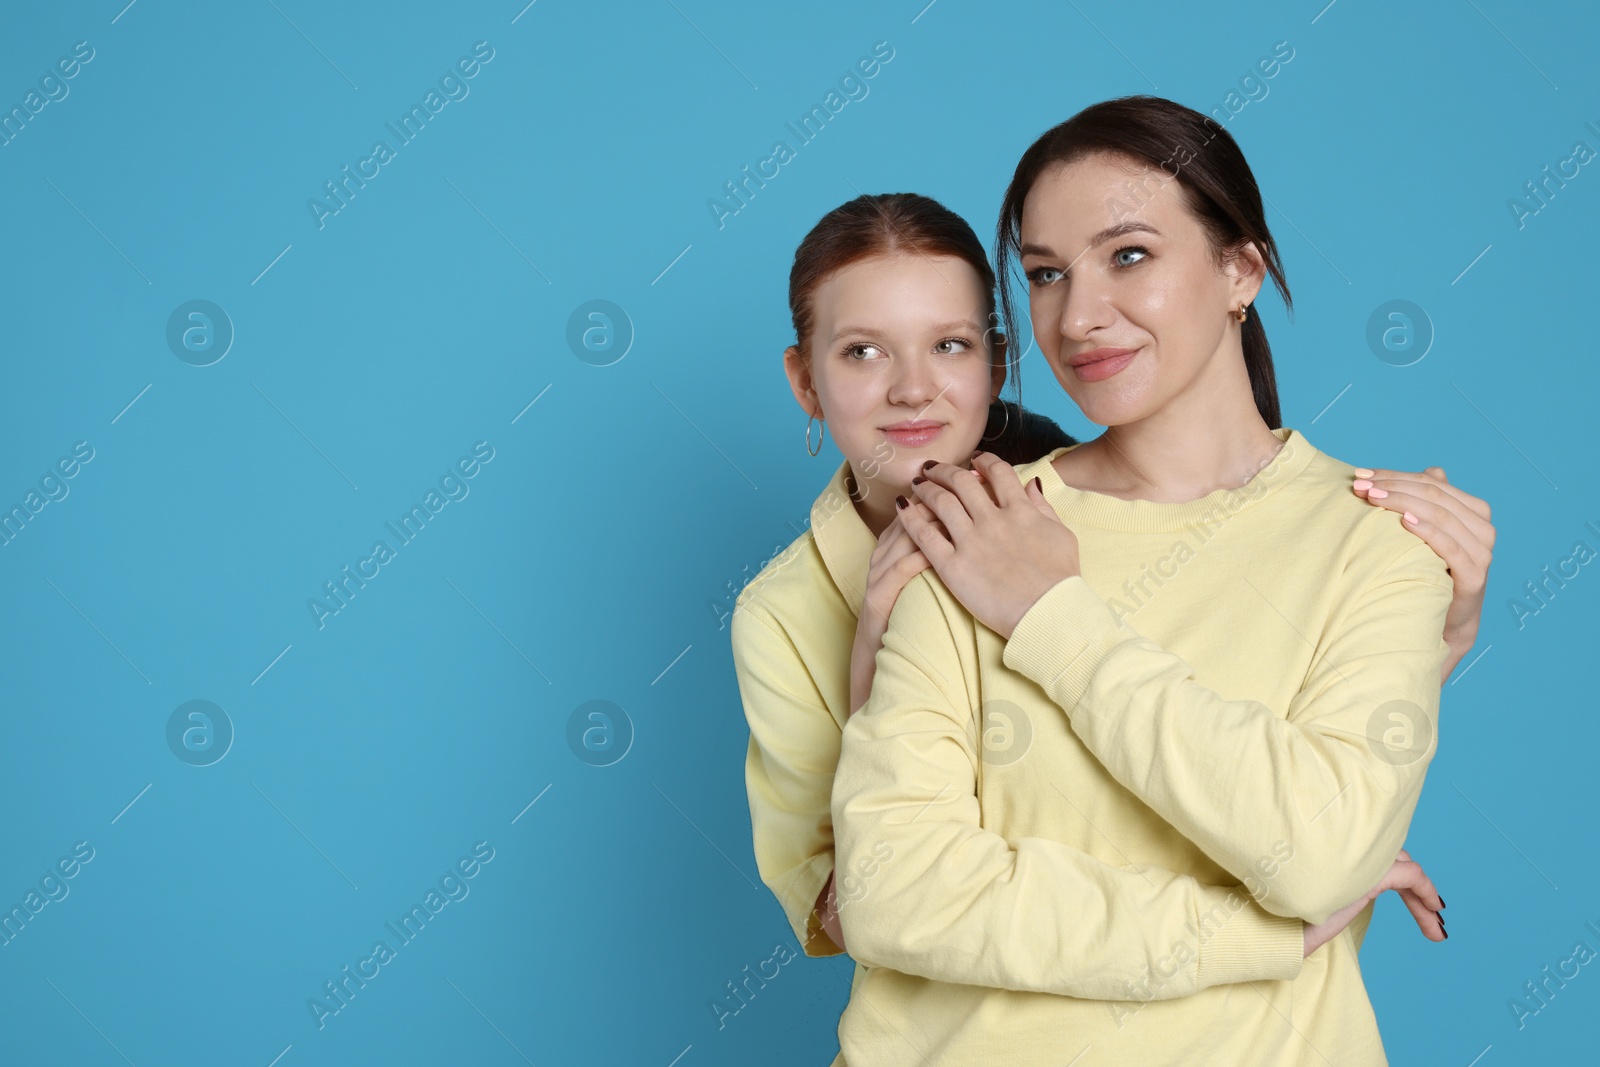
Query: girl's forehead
point(901, 279)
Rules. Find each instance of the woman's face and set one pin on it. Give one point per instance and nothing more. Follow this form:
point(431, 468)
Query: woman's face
point(1127, 300)
point(898, 365)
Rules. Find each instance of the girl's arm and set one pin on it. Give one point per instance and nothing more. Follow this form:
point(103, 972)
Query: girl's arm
point(794, 747)
point(1233, 776)
point(1456, 525)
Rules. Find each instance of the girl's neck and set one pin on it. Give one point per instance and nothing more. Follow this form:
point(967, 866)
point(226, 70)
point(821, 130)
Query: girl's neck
point(876, 507)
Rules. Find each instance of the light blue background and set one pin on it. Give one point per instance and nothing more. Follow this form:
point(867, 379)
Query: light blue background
point(590, 557)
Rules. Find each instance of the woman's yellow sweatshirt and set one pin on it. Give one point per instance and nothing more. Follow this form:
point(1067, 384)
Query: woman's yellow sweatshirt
point(1241, 689)
point(792, 630)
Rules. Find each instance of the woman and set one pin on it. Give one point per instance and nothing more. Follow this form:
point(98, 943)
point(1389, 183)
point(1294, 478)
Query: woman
point(1222, 665)
point(897, 257)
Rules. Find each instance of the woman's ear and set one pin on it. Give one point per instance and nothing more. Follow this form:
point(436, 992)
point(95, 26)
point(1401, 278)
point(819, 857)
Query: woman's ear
point(799, 371)
point(1247, 271)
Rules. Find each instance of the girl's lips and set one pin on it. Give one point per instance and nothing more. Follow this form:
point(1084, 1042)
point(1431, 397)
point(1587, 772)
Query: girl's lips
point(914, 436)
point(1102, 369)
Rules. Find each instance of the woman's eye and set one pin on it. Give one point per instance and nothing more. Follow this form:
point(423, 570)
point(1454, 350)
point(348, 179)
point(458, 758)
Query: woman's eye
point(1044, 275)
point(951, 346)
point(863, 352)
point(1127, 257)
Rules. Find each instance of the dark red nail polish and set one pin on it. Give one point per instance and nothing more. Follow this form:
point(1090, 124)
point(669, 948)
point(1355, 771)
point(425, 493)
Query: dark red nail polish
point(919, 479)
point(901, 502)
point(1037, 484)
point(932, 463)
point(1441, 903)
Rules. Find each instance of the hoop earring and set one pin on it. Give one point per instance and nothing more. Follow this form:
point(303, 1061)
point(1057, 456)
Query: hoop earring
point(1241, 312)
point(1007, 409)
point(820, 436)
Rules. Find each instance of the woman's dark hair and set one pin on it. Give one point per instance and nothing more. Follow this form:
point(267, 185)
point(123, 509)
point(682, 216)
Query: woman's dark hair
point(884, 223)
point(1218, 187)
point(1018, 435)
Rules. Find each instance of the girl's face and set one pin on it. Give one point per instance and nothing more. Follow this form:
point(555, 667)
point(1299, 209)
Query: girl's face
point(1128, 303)
point(899, 370)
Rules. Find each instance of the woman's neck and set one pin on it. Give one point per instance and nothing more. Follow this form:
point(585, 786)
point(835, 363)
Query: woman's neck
point(1194, 446)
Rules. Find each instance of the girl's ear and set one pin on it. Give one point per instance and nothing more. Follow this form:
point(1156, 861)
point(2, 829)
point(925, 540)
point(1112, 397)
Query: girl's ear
point(799, 371)
point(999, 366)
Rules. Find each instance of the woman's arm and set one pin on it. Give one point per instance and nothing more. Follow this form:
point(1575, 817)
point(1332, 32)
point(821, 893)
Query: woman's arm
point(1457, 526)
point(1233, 776)
point(794, 747)
point(938, 895)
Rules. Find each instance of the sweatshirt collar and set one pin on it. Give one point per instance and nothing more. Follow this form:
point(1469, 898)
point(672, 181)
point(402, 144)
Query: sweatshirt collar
point(1148, 516)
point(843, 539)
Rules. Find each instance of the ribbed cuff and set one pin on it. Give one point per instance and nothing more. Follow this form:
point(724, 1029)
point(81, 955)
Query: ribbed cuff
point(1249, 945)
point(1062, 640)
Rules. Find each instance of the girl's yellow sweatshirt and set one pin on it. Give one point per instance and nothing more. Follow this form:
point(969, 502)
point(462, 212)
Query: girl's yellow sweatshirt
point(1241, 689)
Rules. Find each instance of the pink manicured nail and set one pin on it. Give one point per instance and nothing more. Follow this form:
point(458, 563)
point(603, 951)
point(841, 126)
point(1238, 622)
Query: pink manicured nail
point(1362, 472)
point(1377, 494)
point(1412, 519)
point(1361, 484)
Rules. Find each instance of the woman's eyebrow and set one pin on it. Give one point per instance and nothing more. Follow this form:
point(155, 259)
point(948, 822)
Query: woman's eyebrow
point(1125, 227)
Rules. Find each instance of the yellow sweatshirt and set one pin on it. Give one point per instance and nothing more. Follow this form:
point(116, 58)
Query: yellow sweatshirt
point(792, 630)
point(1242, 688)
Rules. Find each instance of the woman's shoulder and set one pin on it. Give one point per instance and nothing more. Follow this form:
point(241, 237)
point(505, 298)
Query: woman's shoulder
point(1035, 467)
point(1377, 539)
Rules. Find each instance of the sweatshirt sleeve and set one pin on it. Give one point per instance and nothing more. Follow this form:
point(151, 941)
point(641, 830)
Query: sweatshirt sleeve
point(928, 891)
point(1337, 774)
point(788, 771)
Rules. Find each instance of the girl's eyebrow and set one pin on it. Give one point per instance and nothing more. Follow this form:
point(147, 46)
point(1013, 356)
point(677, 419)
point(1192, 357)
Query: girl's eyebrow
point(939, 327)
point(860, 331)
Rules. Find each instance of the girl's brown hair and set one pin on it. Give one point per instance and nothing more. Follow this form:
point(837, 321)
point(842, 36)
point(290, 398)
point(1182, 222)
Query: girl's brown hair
point(1217, 184)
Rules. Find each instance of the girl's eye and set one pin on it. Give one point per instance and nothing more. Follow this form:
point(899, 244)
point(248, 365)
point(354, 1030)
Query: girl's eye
point(1127, 257)
point(951, 346)
point(1044, 275)
point(862, 352)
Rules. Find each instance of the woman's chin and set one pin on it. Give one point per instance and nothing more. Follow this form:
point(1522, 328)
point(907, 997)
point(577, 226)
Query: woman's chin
point(1104, 408)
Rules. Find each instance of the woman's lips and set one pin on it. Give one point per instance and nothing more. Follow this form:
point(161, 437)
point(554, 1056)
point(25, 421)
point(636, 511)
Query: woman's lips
point(913, 434)
point(1102, 363)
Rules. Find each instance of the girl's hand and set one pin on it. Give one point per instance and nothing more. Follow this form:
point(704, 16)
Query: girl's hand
point(1406, 878)
point(894, 562)
point(828, 913)
point(998, 554)
point(1455, 525)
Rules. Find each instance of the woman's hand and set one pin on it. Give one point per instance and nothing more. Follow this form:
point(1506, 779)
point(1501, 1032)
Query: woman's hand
point(998, 554)
point(1415, 888)
point(894, 562)
point(1455, 525)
